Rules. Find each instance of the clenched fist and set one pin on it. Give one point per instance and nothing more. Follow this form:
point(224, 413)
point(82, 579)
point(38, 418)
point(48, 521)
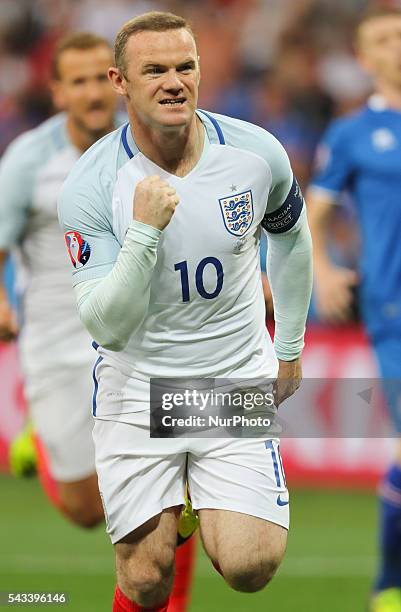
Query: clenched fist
point(154, 202)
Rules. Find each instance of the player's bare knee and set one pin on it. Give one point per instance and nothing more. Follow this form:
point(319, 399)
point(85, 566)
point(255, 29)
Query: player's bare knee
point(252, 572)
point(146, 583)
point(145, 563)
point(83, 512)
point(87, 518)
point(150, 586)
point(80, 502)
point(251, 578)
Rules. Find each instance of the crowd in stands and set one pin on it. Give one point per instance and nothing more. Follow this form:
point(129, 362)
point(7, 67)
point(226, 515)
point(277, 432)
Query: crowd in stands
point(287, 66)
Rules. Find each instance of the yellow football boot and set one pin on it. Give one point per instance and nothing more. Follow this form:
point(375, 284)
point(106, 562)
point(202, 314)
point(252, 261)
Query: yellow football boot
point(189, 521)
point(22, 454)
point(388, 600)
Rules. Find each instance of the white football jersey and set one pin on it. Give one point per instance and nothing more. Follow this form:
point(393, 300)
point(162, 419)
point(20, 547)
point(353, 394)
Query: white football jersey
point(206, 315)
point(32, 172)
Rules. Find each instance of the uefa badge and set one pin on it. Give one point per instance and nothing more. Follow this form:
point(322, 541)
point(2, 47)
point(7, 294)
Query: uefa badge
point(237, 211)
point(78, 249)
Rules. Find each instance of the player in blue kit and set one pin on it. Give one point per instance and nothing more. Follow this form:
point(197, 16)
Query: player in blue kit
point(162, 220)
point(361, 153)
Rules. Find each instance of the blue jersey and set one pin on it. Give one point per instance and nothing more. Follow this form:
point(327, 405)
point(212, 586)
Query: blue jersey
point(361, 154)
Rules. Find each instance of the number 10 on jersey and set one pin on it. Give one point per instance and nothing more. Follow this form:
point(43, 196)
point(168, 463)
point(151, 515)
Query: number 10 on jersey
point(182, 268)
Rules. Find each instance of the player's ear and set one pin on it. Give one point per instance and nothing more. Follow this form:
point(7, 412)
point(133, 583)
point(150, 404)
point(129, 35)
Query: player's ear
point(199, 72)
point(117, 80)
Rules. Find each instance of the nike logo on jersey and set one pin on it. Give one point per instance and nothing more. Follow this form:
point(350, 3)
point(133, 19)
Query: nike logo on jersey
point(282, 502)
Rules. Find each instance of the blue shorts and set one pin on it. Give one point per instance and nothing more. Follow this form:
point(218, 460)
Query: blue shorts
point(388, 354)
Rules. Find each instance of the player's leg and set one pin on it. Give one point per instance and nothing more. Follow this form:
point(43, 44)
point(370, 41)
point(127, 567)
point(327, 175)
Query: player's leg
point(246, 550)
point(239, 490)
point(80, 501)
point(145, 561)
point(60, 408)
point(142, 484)
point(388, 582)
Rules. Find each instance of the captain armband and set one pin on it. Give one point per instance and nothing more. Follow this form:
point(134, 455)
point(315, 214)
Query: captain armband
point(285, 217)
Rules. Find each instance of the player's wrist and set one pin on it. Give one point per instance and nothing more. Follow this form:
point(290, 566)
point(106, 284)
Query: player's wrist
point(287, 352)
point(289, 360)
point(144, 231)
point(322, 266)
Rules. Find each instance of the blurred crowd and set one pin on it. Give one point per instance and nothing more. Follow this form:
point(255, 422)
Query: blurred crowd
point(287, 65)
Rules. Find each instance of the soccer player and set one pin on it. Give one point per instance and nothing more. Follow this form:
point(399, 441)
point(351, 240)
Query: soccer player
point(54, 347)
point(172, 287)
point(361, 153)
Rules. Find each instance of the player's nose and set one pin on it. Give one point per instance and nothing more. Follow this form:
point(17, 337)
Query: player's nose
point(95, 92)
point(172, 82)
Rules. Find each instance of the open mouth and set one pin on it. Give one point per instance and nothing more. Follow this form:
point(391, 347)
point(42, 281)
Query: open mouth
point(172, 101)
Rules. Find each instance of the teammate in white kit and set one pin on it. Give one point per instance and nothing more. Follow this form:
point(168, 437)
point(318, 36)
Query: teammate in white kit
point(55, 349)
point(169, 291)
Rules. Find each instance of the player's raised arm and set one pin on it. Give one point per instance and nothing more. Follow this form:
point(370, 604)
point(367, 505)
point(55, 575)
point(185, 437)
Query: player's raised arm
point(289, 268)
point(113, 306)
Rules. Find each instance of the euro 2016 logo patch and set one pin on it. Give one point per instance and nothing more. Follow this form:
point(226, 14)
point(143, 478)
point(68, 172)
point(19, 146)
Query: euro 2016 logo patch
point(78, 249)
point(237, 211)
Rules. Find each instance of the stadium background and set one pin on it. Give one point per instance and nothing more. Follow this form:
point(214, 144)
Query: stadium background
point(287, 66)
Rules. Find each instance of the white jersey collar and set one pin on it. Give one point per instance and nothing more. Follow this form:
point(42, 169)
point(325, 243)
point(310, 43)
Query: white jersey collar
point(378, 103)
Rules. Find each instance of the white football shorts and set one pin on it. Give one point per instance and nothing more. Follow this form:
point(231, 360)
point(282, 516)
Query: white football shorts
point(140, 476)
point(60, 404)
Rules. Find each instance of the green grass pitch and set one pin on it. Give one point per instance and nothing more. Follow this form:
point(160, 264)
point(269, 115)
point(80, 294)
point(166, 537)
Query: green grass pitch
point(329, 564)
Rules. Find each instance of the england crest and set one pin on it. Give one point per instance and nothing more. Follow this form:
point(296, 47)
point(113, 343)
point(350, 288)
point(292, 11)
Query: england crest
point(237, 211)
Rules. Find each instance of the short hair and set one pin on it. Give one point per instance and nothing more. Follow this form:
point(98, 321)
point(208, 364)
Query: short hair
point(374, 13)
point(80, 41)
point(153, 21)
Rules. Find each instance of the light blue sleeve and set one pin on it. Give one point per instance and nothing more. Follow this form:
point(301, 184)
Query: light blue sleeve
point(114, 307)
point(85, 214)
point(112, 280)
point(18, 167)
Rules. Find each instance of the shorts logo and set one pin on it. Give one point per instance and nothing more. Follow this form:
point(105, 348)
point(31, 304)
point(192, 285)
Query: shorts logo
point(282, 502)
point(78, 249)
point(237, 211)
